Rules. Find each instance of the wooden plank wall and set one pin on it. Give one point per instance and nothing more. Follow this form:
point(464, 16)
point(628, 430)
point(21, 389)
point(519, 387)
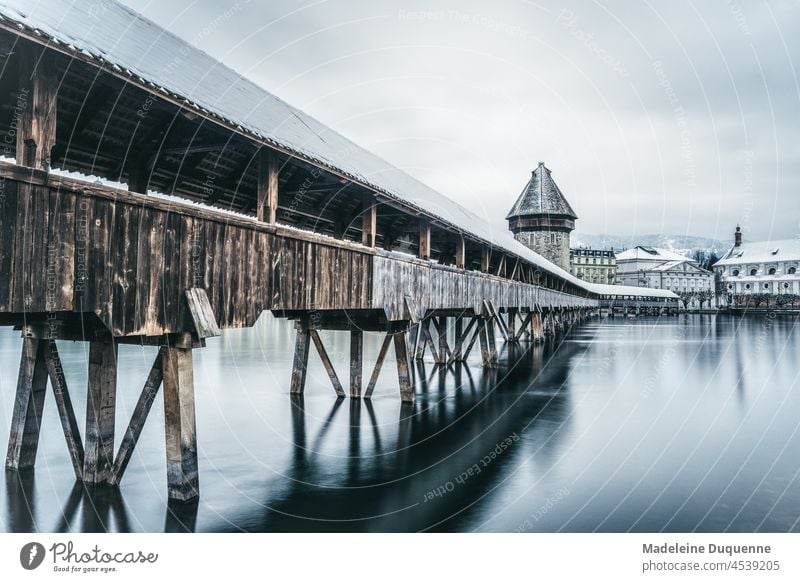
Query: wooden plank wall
point(433, 286)
point(70, 246)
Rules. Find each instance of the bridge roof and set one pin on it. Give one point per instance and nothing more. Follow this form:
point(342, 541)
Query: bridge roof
point(136, 49)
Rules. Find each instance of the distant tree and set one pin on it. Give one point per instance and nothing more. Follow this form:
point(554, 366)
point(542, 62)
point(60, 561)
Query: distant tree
point(712, 260)
point(699, 256)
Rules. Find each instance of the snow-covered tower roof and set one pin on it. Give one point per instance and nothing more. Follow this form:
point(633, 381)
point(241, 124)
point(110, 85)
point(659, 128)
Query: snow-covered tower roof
point(541, 195)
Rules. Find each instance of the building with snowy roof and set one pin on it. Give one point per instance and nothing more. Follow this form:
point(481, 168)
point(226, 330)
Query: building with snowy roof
point(760, 274)
point(665, 269)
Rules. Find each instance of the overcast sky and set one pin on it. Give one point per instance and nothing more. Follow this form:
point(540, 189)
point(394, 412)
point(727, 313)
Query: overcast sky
point(654, 117)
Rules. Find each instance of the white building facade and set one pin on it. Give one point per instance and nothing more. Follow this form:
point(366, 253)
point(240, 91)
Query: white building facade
point(665, 269)
point(760, 274)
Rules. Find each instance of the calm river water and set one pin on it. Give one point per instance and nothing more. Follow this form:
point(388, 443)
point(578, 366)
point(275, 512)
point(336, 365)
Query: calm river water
point(679, 424)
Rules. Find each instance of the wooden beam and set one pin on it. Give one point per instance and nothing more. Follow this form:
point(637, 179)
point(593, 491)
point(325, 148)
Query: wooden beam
point(485, 254)
point(378, 365)
point(403, 368)
point(66, 413)
point(300, 363)
point(138, 418)
point(38, 86)
point(326, 362)
point(267, 206)
point(475, 335)
point(461, 253)
point(424, 240)
point(459, 355)
point(100, 410)
point(356, 362)
point(183, 482)
point(369, 220)
point(526, 321)
point(23, 441)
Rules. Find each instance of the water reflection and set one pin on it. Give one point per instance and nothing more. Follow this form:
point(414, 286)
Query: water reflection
point(647, 424)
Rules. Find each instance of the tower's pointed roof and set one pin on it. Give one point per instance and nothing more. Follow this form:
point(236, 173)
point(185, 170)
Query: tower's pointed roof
point(541, 195)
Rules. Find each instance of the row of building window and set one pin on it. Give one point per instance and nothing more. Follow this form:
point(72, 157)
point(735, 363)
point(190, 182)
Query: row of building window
point(766, 286)
point(771, 271)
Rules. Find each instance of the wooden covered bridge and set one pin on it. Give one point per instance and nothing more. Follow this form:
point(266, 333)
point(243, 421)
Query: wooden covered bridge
point(150, 195)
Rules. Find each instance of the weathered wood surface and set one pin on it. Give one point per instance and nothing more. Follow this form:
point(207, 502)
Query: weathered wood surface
point(300, 361)
point(434, 286)
point(101, 402)
point(130, 258)
point(23, 441)
point(205, 324)
point(181, 431)
point(356, 362)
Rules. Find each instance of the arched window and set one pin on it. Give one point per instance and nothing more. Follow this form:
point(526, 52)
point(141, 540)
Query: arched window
point(786, 285)
point(753, 272)
point(730, 285)
point(792, 270)
point(766, 285)
point(772, 270)
point(735, 272)
point(747, 286)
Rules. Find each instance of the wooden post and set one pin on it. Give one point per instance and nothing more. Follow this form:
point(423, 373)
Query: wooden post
point(356, 361)
point(485, 353)
point(422, 339)
point(326, 362)
point(378, 365)
point(38, 86)
point(403, 368)
point(138, 175)
point(369, 220)
point(300, 364)
point(267, 197)
point(179, 417)
point(512, 324)
point(425, 240)
point(101, 401)
point(485, 260)
point(493, 355)
point(23, 442)
point(461, 253)
point(441, 330)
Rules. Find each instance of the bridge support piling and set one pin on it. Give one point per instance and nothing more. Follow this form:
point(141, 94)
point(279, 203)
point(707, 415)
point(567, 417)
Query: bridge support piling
point(300, 363)
point(101, 402)
point(181, 431)
point(512, 324)
point(23, 441)
point(356, 362)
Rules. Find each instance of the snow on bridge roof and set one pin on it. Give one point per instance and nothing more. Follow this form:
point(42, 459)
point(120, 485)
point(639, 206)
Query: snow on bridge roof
point(145, 54)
